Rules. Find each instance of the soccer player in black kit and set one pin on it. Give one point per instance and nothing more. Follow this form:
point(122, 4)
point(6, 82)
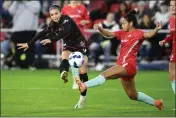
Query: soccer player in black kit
point(63, 27)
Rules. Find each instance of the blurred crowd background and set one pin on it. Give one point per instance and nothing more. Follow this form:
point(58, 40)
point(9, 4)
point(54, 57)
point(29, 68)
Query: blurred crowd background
point(105, 12)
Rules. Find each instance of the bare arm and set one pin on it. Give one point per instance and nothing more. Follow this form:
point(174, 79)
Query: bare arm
point(154, 32)
point(38, 36)
point(86, 17)
point(106, 33)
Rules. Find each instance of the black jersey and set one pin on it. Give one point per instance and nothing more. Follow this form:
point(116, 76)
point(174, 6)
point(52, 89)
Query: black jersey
point(65, 29)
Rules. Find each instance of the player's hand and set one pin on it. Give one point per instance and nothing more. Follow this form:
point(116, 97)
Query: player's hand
point(83, 22)
point(161, 43)
point(23, 46)
point(159, 25)
point(45, 41)
point(96, 26)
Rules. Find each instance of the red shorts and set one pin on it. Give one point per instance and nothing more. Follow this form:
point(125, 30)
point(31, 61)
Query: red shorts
point(173, 58)
point(131, 70)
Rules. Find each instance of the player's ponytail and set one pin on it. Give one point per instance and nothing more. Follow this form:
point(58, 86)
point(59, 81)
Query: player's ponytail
point(131, 17)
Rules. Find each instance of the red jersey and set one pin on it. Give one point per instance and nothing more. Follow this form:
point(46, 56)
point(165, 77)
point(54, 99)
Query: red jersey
point(77, 13)
point(172, 37)
point(130, 44)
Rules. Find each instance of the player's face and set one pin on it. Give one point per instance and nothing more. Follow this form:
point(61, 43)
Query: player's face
point(125, 25)
point(172, 7)
point(55, 15)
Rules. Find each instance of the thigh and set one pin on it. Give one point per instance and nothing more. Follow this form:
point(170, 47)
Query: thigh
point(115, 72)
point(65, 54)
point(84, 68)
point(94, 46)
point(172, 69)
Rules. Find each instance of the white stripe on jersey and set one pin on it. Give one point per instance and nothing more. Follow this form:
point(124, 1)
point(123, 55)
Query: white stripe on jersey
point(124, 58)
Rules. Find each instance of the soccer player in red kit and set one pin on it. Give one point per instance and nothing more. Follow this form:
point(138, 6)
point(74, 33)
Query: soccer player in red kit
point(77, 12)
point(125, 68)
point(172, 37)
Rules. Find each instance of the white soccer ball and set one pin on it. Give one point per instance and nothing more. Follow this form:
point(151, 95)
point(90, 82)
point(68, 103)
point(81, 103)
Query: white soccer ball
point(76, 59)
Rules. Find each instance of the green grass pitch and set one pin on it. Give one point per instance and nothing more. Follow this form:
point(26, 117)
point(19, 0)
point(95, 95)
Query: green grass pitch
point(43, 93)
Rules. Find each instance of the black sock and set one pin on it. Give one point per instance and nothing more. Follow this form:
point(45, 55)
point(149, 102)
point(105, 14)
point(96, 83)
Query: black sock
point(64, 66)
point(84, 78)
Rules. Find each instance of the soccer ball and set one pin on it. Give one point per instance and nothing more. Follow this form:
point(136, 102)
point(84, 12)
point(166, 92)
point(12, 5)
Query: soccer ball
point(76, 59)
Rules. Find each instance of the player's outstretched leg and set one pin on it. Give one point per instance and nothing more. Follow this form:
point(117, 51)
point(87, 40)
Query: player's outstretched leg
point(112, 73)
point(130, 89)
point(82, 99)
point(64, 68)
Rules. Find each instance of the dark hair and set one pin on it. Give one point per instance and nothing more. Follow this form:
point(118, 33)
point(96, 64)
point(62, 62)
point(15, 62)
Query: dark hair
point(130, 17)
point(55, 7)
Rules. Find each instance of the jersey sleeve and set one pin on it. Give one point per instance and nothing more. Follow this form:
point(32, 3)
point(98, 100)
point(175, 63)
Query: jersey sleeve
point(86, 16)
point(118, 34)
point(38, 36)
point(169, 38)
point(85, 13)
point(140, 35)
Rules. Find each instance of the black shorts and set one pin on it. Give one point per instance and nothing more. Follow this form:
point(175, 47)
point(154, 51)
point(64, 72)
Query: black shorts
point(84, 51)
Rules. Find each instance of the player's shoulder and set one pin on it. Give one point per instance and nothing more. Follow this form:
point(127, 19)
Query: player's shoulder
point(66, 18)
point(138, 31)
point(66, 7)
point(63, 17)
point(82, 6)
point(120, 32)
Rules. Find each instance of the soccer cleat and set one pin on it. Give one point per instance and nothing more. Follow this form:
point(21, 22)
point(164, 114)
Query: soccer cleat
point(159, 104)
point(80, 104)
point(64, 76)
point(82, 86)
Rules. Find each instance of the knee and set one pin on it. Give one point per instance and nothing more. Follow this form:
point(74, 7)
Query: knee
point(93, 47)
point(132, 96)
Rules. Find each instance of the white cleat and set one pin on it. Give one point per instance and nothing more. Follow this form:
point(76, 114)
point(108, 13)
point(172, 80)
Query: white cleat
point(80, 104)
point(174, 109)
